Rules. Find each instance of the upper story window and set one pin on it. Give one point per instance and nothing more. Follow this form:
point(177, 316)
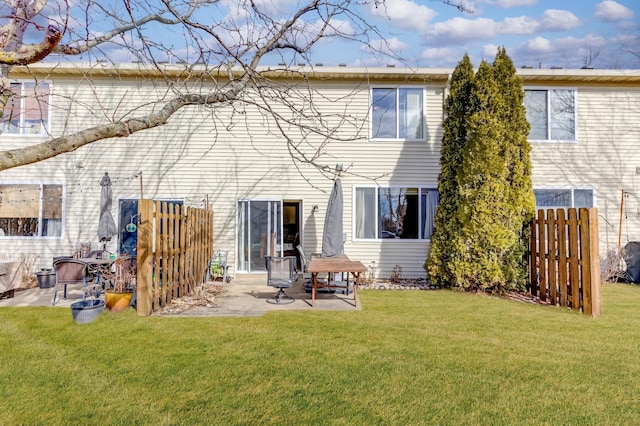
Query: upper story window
point(551, 114)
point(559, 198)
point(30, 210)
point(398, 113)
point(27, 111)
point(394, 212)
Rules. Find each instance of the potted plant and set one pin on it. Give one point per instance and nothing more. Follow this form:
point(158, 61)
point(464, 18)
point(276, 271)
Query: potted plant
point(120, 283)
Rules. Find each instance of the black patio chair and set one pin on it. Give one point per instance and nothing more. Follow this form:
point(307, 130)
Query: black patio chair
point(306, 276)
point(281, 274)
point(70, 271)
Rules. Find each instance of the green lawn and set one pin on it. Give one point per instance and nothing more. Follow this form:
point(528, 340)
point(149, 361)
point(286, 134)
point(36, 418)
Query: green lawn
point(409, 357)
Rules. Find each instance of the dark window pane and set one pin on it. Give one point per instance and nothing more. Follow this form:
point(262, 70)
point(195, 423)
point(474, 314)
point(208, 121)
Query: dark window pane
point(553, 197)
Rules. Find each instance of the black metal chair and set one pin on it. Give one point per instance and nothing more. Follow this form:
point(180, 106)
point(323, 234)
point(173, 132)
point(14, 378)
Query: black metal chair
point(281, 274)
point(306, 276)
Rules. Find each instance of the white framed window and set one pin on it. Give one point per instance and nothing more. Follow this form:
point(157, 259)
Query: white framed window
point(27, 111)
point(31, 210)
point(551, 114)
point(558, 198)
point(398, 113)
point(394, 212)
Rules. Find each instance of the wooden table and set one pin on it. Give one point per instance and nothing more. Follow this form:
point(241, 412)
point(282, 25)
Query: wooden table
point(332, 265)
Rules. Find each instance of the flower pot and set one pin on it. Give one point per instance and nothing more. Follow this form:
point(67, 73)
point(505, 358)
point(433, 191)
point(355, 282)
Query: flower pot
point(46, 278)
point(86, 310)
point(117, 301)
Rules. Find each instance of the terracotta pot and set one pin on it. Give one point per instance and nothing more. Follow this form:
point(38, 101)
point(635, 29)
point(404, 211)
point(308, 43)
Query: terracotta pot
point(117, 301)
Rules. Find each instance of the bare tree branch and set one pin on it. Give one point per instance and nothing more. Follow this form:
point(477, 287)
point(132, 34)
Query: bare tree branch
point(217, 36)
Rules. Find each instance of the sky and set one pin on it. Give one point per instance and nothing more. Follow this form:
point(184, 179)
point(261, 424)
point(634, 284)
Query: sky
point(428, 33)
point(535, 33)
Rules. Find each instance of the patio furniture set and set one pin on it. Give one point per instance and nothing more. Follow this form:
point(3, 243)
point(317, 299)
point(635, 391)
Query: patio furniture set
point(281, 274)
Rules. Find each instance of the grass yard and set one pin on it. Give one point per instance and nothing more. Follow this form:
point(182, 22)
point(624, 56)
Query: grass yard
point(409, 357)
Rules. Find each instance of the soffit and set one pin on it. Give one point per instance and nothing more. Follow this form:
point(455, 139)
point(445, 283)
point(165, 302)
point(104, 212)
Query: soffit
point(392, 75)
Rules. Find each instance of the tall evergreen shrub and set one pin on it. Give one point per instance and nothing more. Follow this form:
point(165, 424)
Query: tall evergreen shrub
point(521, 199)
point(481, 245)
point(457, 107)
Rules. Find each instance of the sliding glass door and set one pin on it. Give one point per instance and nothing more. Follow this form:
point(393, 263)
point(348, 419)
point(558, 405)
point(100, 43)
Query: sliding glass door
point(259, 233)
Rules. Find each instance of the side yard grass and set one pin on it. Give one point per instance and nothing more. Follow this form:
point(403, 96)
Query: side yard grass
point(409, 357)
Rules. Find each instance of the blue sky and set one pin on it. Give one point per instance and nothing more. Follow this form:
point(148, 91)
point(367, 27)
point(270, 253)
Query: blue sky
point(425, 33)
point(537, 33)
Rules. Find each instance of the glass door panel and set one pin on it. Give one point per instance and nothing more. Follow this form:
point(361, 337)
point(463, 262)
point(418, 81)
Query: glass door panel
point(259, 233)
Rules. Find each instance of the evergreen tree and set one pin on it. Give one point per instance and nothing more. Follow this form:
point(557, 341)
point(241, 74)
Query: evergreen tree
point(482, 180)
point(457, 107)
point(521, 199)
point(485, 184)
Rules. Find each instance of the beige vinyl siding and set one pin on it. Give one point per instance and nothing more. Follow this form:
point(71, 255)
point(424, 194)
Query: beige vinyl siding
point(604, 157)
point(199, 155)
point(397, 164)
point(236, 153)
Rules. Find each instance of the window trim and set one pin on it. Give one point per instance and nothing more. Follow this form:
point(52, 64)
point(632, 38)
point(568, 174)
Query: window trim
point(63, 213)
point(377, 188)
point(575, 113)
point(565, 188)
point(46, 128)
point(396, 88)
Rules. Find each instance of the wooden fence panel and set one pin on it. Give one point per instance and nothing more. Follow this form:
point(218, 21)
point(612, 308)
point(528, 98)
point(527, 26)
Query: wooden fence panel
point(552, 261)
point(565, 264)
point(175, 245)
point(562, 259)
point(542, 285)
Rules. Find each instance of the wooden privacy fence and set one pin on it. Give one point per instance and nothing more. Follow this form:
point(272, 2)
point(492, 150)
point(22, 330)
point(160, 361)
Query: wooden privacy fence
point(564, 259)
point(175, 245)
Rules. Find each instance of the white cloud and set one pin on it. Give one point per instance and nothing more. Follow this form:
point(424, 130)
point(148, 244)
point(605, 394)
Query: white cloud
point(460, 30)
point(518, 25)
point(538, 44)
point(391, 46)
point(568, 52)
point(506, 4)
point(490, 50)
point(611, 11)
point(404, 14)
point(558, 20)
point(437, 53)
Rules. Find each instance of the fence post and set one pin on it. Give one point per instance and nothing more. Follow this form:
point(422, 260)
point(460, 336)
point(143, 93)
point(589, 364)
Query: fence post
point(585, 260)
point(143, 279)
point(594, 248)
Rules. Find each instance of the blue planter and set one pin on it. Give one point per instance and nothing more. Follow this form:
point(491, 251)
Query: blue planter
point(86, 310)
point(46, 278)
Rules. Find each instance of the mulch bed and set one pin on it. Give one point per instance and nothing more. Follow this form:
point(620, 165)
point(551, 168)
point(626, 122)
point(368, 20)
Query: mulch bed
point(205, 295)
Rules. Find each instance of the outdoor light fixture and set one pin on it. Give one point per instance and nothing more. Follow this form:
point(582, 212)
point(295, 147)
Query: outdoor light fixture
point(314, 209)
point(339, 167)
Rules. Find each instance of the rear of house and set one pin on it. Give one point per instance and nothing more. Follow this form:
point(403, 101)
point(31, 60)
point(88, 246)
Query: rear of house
point(235, 160)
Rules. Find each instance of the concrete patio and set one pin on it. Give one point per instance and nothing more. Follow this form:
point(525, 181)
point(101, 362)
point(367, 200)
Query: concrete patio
point(245, 295)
